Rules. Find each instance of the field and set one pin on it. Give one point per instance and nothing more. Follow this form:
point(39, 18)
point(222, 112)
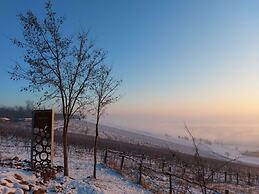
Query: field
point(139, 165)
point(14, 161)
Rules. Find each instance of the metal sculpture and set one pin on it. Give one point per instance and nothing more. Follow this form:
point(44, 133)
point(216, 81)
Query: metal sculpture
point(42, 142)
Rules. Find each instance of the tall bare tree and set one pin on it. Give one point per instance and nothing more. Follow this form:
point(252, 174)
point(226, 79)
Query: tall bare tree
point(104, 89)
point(59, 66)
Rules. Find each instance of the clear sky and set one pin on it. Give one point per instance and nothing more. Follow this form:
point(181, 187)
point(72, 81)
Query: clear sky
point(193, 61)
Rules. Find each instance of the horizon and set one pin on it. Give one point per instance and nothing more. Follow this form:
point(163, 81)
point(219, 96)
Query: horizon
point(194, 62)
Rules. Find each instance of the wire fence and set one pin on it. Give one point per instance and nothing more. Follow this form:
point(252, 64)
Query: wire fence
point(160, 176)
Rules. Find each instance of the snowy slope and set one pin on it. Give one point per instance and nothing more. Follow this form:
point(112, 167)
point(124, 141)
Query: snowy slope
point(79, 182)
point(213, 150)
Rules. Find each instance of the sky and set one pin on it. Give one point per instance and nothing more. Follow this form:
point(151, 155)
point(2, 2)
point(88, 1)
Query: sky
point(180, 61)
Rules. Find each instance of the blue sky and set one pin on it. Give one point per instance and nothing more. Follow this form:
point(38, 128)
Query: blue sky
point(180, 60)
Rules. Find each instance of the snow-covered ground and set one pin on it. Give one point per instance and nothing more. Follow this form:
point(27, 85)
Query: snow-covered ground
point(214, 150)
point(221, 151)
point(108, 181)
point(17, 179)
point(79, 181)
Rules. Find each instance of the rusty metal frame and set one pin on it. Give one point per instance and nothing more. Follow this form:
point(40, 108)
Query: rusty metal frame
point(42, 139)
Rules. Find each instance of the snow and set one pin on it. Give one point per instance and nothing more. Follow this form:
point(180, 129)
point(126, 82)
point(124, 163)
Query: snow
point(108, 181)
point(80, 181)
point(213, 150)
point(81, 166)
point(19, 179)
point(16, 180)
point(221, 151)
point(4, 119)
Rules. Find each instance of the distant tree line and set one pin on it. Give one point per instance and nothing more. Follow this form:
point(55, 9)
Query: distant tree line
point(15, 112)
point(19, 112)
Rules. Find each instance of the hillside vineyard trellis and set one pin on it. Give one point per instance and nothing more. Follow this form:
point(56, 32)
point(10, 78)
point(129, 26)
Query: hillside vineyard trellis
point(143, 168)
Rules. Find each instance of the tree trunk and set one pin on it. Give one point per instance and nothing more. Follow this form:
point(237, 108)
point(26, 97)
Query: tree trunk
point(65, 151)
point(95, 145)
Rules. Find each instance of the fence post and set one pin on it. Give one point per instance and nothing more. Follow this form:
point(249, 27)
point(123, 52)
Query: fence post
point(122, 161)
point(230, 178)
point(140, 169)
point(183, 172)
point(249, 176)
point(170, 180)
point(163, 165)
point(225, 177)
point(237, 179)
point(105, 156)
point(212, 176)
point(140, 172)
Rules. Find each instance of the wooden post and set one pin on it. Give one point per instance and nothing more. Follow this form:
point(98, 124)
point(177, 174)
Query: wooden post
point(163, 165)
point(225, 177)
point(105, 156)
point(249, 176)
point(183, 172)
point(170, 180)
point(237, 179)
point(122, 161)
point(212, 175)
point(140, 169)
point(140, 172)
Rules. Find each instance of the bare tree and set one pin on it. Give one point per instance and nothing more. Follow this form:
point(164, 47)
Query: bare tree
point(203, 177)
point(200, 171)
point(104, 89)
point(57, 65)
